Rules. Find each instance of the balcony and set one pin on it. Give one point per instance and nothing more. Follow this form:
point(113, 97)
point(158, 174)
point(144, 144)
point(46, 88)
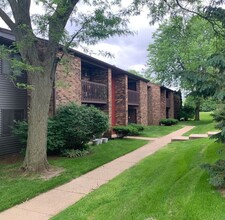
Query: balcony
point(133, 97)
point(93, 92)
point(167, 102)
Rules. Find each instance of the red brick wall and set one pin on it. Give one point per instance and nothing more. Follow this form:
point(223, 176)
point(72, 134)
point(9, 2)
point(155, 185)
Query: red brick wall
point(171, 100)
point(142, 111)
point(154, 104)
point(109, 100)
point(68, 82)
point(121, 99)
point(163, 103)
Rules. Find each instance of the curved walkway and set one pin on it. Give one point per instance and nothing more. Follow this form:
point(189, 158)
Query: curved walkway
point(48, 204)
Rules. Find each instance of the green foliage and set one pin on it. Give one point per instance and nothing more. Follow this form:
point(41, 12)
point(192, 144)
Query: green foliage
point(55, 141)
point(216, 172)
point(78, 124)
point(209, 105)
point(168, 121)
point(219, 118)
point(186, 112)
point(72, 127)
point(122, 131)
point(159, 10)
point(20, 130)
point(139, 127)
point(71, 153)
point(180, 56)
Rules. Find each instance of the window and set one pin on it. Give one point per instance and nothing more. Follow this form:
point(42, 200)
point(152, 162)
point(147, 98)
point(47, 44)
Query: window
point(9, 116)
point(5, 66)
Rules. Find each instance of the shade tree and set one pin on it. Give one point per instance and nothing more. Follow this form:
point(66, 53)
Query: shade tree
point(92, 20)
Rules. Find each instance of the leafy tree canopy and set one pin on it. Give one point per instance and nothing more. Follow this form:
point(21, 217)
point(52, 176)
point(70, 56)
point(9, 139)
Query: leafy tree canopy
point(91, 21)
point(183, 54)
point(212, 11)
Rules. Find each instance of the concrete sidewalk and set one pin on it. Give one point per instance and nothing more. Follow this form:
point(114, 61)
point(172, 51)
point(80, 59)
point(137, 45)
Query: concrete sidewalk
point(56, 200)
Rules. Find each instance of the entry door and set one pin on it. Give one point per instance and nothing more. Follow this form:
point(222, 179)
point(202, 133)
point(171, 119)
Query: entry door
point(132, 116)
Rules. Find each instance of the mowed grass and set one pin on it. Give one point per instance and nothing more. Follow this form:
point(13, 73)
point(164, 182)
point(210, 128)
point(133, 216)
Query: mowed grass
point(159, 131)
point(169, 185)
point(16, 188)
point(201, 127)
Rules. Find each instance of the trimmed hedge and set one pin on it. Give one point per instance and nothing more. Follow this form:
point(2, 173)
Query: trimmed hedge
point(131, 130)
point(168, 121)
point(72, 127)
point(137, 126)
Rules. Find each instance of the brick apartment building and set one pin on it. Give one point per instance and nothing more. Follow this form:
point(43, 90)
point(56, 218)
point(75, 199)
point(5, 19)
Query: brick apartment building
point(124, 97)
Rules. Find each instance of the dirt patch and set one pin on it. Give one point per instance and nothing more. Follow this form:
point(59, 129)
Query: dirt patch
point(52, 172)
point(18, 158)
point(14, 169)
point(11, 159)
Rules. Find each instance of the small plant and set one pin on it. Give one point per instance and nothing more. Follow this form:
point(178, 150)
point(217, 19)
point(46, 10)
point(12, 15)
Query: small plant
point(20, 130)
point(216, 172)
point(219, 117)
point(168, 121)
point(71, 153)
point(122, 131)
point(55, 141)
point(138, 126)
point(78, 124)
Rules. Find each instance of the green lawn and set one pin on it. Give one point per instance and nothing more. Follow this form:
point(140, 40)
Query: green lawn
point(159, 131)
point(15, 188)
point(168, 185)
point(203, 126)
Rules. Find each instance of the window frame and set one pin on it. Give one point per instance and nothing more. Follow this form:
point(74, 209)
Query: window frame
point(6, 127)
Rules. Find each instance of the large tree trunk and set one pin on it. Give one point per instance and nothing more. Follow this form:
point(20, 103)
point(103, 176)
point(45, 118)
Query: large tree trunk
point(197, 111)
point(40, 93)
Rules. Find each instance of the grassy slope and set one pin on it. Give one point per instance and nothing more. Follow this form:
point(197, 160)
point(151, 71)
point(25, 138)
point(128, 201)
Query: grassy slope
point(203, 126)
point(14, 188)
point(159, 131)
point(166, 185)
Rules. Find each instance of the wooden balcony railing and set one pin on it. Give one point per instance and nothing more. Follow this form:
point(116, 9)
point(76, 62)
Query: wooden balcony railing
point(93, 92)
point(167, 102)
point(133, 97)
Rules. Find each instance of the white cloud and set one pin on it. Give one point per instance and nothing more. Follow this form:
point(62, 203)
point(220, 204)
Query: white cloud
point(131, 51)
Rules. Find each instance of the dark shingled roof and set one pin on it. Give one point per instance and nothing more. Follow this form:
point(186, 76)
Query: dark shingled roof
point(8, 37)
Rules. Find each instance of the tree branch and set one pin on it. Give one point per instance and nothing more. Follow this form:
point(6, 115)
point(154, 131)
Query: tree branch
point(7, 20)
point(57, 23)
point(66, 47)
point(201, 16)
point(14, 8)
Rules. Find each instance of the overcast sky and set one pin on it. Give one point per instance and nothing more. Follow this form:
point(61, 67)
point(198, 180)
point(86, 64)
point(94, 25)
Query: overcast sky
point(129, 52)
